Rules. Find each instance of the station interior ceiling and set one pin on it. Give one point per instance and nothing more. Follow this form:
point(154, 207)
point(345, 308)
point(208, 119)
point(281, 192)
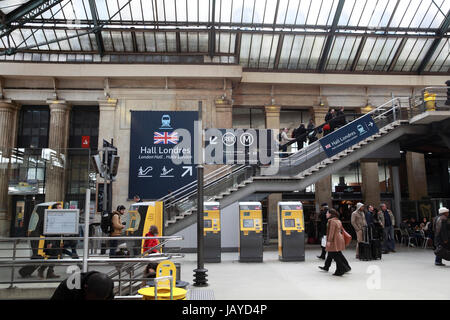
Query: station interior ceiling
point(325, 36)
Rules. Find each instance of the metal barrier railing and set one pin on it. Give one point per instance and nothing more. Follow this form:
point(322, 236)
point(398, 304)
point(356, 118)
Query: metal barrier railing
point(121, 264)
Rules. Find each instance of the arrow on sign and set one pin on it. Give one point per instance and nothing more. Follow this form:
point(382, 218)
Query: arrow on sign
point(370, 124)
point(187, 169)
point(213, 140)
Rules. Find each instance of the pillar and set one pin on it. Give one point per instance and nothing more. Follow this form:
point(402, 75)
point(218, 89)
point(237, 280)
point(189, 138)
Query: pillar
point(417, 177)
point(224, 114)
point(323, 188)
point(107, 109)
point(223, 120)
point(55, 182)
point(370, 183)
point(397, 194)
point(272, 117)
point(8, 120)
point(106, 125)
point(273, 122)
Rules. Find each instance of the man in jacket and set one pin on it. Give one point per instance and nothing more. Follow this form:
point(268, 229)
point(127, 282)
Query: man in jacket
point(358, 221)
point(323, 227)
point(388, 222)
point(117, 228)
point(441, 232)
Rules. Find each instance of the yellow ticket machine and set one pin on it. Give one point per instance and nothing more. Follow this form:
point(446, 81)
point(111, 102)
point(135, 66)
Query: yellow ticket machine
point(291, 231)
point(141, 216)
point(211, 231)
point(250, 232)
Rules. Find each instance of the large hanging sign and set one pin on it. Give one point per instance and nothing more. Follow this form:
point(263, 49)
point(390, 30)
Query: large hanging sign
point(349, 135)
point(161, 152)
point(239, 146)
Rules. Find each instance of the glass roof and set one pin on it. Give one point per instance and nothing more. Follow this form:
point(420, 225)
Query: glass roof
point(402, 36)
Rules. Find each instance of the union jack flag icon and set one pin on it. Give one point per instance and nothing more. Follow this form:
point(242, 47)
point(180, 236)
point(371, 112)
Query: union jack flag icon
point(328, 146)
point(165, 138)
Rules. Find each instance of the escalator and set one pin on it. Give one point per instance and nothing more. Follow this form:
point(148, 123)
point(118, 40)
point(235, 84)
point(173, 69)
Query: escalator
point(229, 184)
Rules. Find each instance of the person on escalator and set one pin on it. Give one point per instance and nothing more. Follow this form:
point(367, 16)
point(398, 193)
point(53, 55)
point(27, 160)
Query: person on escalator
point(300, 136)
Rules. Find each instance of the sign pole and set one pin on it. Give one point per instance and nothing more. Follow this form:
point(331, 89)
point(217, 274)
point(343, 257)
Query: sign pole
point(86, 229)
point(200, 273)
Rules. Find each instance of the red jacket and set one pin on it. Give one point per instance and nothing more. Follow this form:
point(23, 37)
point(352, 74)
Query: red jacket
point(150, 243)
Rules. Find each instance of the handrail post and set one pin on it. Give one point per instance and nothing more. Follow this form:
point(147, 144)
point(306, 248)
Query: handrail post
point(11, 286)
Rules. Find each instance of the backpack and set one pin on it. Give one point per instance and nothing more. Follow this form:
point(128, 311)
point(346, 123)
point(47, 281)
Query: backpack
point(106, 222)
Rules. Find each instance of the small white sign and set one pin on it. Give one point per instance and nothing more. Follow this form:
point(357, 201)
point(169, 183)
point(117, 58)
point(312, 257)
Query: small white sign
point(61, 221)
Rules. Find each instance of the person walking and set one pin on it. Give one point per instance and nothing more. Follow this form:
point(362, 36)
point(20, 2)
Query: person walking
point(117, 227)
point(335, 244)
point(388, 222)
point(358, 221)
point(323, 220)
point(441, 233)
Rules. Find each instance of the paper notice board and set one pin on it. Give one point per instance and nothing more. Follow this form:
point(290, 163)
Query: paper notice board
point(61, 221)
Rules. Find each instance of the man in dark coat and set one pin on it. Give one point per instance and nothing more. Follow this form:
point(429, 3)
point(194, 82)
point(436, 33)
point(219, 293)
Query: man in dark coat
point(300, 136)
point(340, 118)
point(322, 229)
point(441, 233)
point(93, 286)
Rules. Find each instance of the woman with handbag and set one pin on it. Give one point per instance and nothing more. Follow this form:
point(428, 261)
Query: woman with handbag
point(337, 239)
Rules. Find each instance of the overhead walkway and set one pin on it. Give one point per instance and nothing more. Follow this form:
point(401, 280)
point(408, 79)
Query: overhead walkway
point(228, 184)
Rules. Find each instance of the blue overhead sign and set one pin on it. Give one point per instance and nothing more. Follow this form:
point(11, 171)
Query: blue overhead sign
point(157, 138)
point(349, 135)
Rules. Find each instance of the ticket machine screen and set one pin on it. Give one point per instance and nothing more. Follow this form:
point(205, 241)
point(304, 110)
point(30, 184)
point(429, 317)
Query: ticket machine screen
point(289, 223)
point(247, 223)
point(208, 223)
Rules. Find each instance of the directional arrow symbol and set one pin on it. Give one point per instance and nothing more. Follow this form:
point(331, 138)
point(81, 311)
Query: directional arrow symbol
point(213, 140)
point(187, 169)
point(370, 124)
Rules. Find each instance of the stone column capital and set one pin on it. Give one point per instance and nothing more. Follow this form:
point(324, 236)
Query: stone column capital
point(58, 105)
point(272, 110)
point(223, 105)
point(109, 104)
point(319, 109)
point(8, 104)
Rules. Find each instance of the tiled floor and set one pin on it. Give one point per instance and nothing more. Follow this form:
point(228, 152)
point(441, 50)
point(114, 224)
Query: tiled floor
point(408, 274)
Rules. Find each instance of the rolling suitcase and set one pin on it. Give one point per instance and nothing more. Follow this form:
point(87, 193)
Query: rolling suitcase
point(375, 246)
point(364, 249)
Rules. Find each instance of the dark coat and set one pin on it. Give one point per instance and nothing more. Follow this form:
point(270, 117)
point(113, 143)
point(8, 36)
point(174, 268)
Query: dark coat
point(323, 223)
point(300, 134)
point(64, 293)
point(339, 119)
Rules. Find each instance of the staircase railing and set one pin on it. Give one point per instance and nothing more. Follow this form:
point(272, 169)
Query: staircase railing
point(393, 110)
point(225, 178)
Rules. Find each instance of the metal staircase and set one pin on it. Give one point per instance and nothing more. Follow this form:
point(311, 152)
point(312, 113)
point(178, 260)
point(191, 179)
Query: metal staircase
point(229, 184)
